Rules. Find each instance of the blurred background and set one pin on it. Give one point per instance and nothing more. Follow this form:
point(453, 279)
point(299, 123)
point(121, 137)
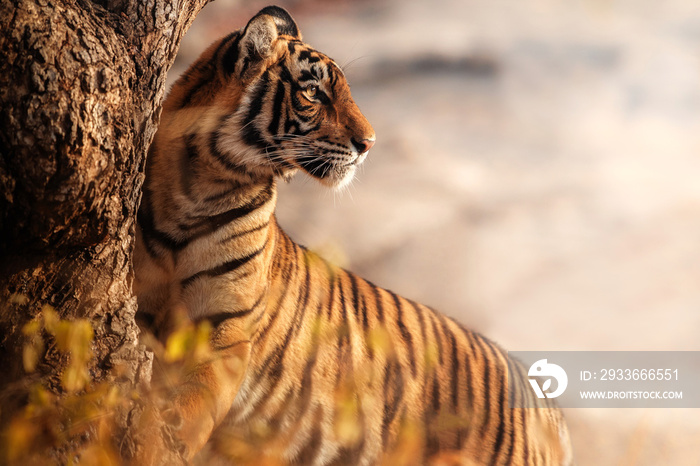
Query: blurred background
point(536, 176)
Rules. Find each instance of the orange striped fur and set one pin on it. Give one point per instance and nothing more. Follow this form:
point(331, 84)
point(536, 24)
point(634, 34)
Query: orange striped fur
point(323, 365)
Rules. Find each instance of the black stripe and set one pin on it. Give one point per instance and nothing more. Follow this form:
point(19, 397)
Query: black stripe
point(470, 380)
point(437, 335)
point(333, 276)
point(343, 350)
point(220, 157)
point(405, 334)
point(309, 452)
point(205, 77)
point(357, 309)
point(243, 233)
point(334, 77)
point(486, 385)
point(343, 307)
point(307, 55)
point(301, 310)
point(187, 161)
point(220, 317)
point(211, 224)
point(285, 75)
point(377, 301)
point(454, 373)
point(393, 394)
point(433, 434)
point(273, 128)
point(495, 417)
point(246, 61)
point(224, 268)
point(230, 57)
point(306, 76)
point(323, 98)
point(303, 118)
point(148, 230)
point(421, 320)
point(512, 400)
point(251, 134)
point(435, 396)
point(233, 187)
point(468, 387)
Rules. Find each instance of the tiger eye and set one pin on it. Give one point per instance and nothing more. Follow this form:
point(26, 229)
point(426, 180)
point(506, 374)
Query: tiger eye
point(311, 90)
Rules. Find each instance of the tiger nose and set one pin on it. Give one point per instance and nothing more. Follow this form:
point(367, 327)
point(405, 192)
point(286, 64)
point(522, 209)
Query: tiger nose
point(364, 145)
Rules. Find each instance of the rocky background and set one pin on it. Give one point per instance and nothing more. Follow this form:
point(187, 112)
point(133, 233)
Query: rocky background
point(536, 176)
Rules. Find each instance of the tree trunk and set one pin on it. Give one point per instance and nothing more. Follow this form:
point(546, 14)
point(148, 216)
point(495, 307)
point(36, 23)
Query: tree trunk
point(81, 85)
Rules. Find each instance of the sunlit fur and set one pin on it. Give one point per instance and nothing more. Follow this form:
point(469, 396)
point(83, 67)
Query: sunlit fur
point(333, 368)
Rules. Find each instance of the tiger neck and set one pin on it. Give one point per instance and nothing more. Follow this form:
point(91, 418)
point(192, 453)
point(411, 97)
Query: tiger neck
point(201, 221)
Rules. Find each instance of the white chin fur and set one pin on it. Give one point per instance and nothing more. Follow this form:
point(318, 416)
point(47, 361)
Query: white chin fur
point(338, 180)
point(339, 183)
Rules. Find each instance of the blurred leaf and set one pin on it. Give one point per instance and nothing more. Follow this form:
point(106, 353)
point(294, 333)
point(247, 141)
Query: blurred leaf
point(178, 344)
point(19, 438)
point(75, 338)
point(50, 317)
point(380, 341)
point(113, 397)
point(202, 348)
point(431, 356)
point(18, 298)
point(31, 328)
point(75, 377)
point(31, 352)
point(34, 347)
point(347, 427)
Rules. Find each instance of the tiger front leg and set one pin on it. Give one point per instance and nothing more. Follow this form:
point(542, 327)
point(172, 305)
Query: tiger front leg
point(208, 391)
point(198, 403)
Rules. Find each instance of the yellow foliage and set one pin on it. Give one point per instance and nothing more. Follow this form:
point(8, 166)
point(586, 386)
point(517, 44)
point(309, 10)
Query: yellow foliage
point(19, 437)
point(50, 317)
point(19, 299)
point(346, 424)
point(73, 338)
point(379, 340)
point(32, 351)
point(189, 341)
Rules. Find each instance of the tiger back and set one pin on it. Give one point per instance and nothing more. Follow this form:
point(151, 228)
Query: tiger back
point(313, 364)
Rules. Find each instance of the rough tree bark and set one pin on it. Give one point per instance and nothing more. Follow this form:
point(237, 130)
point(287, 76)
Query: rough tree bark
point(81, 85)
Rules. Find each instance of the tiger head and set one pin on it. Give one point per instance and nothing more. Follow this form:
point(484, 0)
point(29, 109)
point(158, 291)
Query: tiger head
point(283, 105)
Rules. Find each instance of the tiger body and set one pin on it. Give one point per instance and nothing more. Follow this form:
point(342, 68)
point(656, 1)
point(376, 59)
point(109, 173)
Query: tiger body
point(334, 368)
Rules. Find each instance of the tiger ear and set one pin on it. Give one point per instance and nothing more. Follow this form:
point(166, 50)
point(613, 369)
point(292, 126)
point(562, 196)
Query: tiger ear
point(283, 21)
point(258, 37)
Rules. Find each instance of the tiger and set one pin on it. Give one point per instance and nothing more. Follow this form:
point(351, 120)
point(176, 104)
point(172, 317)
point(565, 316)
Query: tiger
point(302, 347)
